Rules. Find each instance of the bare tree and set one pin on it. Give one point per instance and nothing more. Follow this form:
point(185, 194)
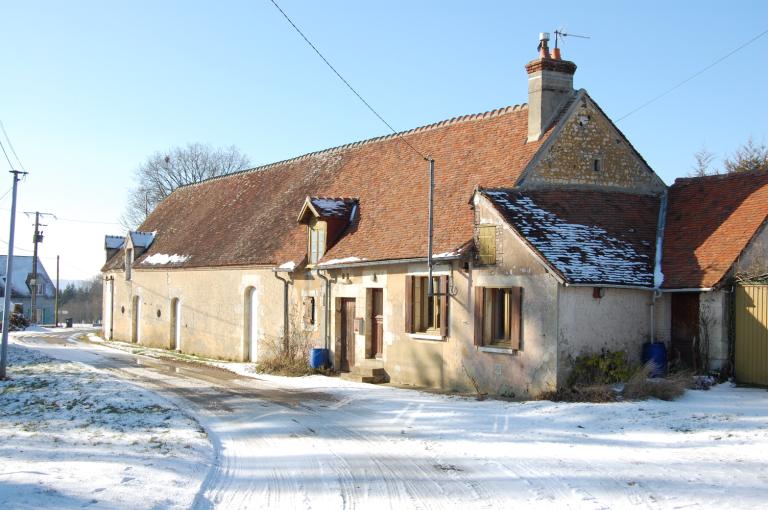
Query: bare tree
point(750, 157)
point(163, 172)
point(703, 164)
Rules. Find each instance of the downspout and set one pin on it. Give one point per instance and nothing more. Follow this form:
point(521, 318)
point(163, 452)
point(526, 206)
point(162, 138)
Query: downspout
point(658, 276)
point(326, 310)
point(286, 282)
point(430, 290)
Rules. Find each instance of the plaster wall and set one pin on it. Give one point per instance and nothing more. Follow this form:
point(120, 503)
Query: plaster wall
point(713, 326)
point(618, 321)
point(213, 308)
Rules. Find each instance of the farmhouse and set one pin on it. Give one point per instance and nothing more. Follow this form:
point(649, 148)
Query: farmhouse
point(548, 229)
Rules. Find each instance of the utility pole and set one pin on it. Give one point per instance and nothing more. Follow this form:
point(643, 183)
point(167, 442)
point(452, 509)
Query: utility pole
point(56, 312)
point(37, 238)
point(8, 283)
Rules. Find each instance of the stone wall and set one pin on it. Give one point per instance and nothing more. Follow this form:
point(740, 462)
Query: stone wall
point(588, 137)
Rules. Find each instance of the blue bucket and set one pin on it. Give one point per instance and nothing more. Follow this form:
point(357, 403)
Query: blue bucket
point(656, 352)
point(318, 358)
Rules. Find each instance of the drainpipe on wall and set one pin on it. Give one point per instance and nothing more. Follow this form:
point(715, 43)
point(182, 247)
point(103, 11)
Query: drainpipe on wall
point(286, 282)
point(326, 310)
point(658, 276)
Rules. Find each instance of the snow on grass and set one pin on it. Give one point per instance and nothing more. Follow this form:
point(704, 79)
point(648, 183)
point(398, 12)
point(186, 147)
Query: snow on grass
point(72, 436)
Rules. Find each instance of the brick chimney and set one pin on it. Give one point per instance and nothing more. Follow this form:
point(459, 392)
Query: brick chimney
point(550, 85)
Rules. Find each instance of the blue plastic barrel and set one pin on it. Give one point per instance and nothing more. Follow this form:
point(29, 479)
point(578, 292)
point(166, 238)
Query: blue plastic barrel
point(656, 352)
point(318, 358)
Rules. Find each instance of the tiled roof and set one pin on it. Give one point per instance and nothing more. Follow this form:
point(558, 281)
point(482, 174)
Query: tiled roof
point(249, 218)
point(710, 220)
point(590, 237)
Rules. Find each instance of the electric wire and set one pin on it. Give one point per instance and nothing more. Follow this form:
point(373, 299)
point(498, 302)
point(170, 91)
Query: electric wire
point(695, 75)
point(10, 145)
point(10, 165)
point(306, 39)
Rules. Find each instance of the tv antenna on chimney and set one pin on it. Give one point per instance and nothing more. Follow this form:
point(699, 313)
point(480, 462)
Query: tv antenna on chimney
point(559, 34)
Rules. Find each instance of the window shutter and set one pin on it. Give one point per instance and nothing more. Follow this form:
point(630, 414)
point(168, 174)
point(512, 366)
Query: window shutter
point(487, 241)
point(307, 311)
point(515, 316)
point(443, 293)
point(409, 304)
point(479, 315)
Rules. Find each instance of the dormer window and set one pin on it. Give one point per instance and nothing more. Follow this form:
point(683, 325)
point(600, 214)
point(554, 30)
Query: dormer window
point(317, 236)
point(327, 219)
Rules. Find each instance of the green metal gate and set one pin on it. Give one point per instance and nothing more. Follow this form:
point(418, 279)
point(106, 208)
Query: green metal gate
point(751, 346)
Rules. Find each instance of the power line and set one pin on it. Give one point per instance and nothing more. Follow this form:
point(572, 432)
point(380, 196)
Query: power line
point(10, 145)
point(10, 165)
point(695, 75)
point(346, 82)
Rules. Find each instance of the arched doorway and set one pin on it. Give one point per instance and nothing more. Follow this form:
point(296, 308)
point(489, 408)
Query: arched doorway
point(136, 320)
point(176, 324)
point(251, 325)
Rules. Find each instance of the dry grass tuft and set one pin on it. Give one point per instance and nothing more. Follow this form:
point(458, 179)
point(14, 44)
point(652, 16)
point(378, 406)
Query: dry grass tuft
point(641, 386)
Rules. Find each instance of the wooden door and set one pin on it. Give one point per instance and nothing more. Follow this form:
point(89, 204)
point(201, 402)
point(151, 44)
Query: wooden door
point(685, 329)
point(751, 345)
point(347, 336)
point(377, 323)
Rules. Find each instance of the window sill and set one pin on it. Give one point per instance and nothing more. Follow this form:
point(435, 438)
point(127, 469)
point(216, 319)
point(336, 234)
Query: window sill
point(425, 336)
point(498, 350)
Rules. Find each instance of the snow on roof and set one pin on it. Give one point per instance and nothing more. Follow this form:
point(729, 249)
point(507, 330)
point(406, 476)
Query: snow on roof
point(142, 239)
point(345, 260)
point(22, 269)
point(287, 266)
point(113, 242)
point(576, 239)
point(333, 207)
point(160, 259)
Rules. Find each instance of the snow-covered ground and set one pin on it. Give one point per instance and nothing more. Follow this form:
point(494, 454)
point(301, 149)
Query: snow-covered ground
point(319, 442)
point(72, 436)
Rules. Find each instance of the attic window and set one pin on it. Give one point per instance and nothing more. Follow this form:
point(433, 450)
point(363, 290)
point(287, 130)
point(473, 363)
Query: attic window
point(597, 165)
point(317, 236)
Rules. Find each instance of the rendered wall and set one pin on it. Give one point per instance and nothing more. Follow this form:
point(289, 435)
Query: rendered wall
point(212, 308)
point(618, 321)
point(713, 326)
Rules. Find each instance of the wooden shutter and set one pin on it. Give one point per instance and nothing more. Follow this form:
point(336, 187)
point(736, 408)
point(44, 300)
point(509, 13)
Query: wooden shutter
point(479, 315)
point(487, 240)
point(409, 304)
point(515, 316)
point(443, 296)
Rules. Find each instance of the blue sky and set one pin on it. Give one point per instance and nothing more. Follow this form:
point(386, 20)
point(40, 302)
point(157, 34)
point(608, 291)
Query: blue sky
point(89, 89)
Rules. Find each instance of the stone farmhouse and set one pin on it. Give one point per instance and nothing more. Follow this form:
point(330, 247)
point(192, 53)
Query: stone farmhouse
point(552, 237)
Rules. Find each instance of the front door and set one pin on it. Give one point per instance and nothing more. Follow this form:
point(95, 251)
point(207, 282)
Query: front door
point(377, 323)
point(685, 329)
point(347, 336)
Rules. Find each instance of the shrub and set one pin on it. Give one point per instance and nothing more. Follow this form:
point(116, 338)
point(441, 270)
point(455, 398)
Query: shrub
point(287, 358)
point(599, 369)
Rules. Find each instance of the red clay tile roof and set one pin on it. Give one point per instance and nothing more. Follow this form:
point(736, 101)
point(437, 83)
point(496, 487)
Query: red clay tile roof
point(710, 220)
point(249, 218)
point(591, 237)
